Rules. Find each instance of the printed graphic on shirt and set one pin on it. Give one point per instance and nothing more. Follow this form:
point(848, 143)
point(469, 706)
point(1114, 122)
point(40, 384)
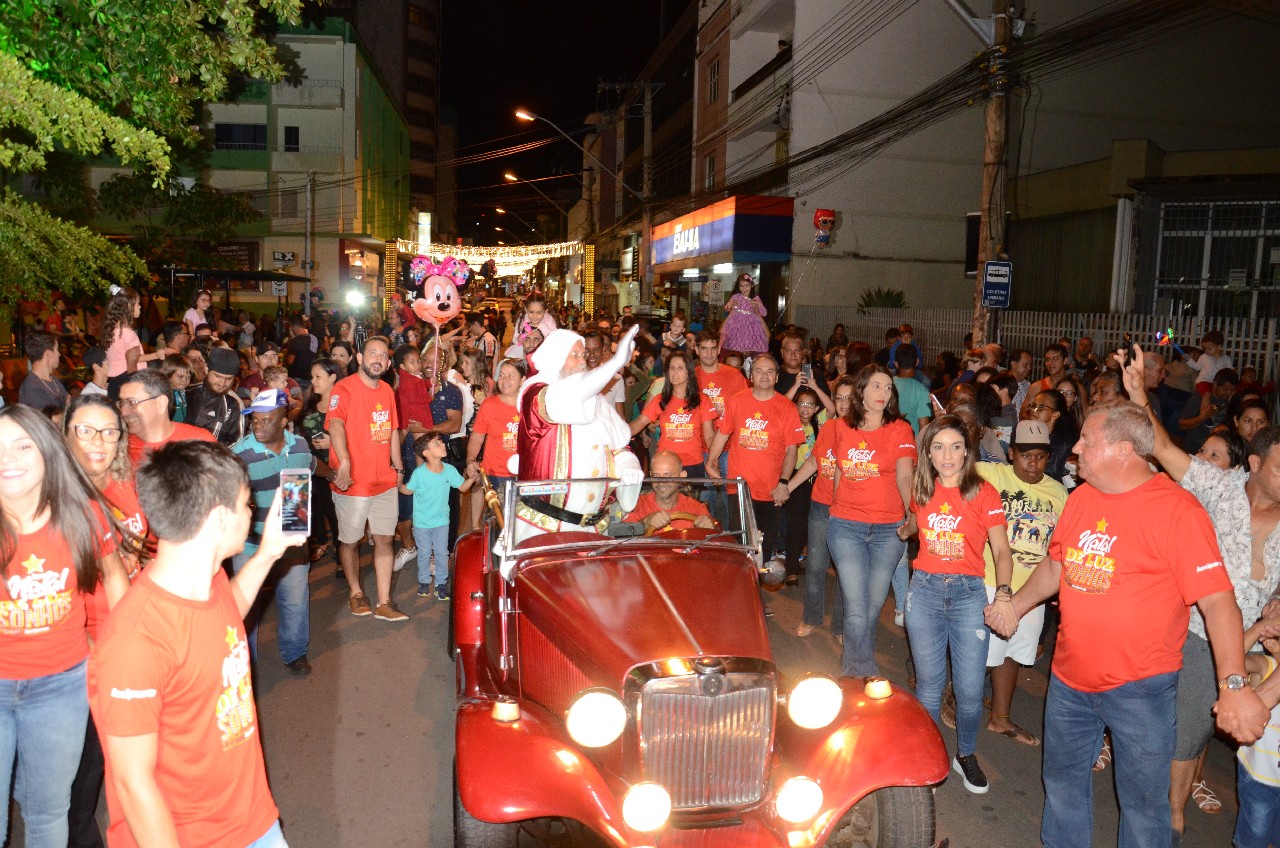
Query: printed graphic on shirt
point(380, 424)
point(38, 599)
point(235, 705)
point(859, 463)
point(1031, 521)
point(679, 426)
point(510, 434)
point(827, 464)
point(1088, 565)
point(942, 536)
point(714, 392)
point(754, 433)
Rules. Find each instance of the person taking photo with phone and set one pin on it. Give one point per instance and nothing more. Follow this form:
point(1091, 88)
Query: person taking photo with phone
point(268, 450)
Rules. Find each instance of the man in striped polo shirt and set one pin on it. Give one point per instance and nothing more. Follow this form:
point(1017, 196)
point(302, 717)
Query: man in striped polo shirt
point(267, 449)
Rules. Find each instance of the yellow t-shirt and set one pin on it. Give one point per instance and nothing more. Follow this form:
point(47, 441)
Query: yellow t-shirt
point(1030, 511)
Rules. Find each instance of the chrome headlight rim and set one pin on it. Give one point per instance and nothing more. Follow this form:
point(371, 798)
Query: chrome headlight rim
point(814, 701)
point(596, 718)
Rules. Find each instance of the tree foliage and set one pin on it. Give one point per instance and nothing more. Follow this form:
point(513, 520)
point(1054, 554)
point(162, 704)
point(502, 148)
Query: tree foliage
point(118, 77)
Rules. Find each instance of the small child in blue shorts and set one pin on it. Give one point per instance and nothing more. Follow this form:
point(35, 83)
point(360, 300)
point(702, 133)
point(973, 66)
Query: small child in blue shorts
point(429, 485)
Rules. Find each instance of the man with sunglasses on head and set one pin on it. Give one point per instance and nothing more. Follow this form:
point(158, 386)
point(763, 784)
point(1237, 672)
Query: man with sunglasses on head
point(144, 405)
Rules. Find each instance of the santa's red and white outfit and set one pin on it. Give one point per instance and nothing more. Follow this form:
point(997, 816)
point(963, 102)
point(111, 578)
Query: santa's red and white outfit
point(567, 431)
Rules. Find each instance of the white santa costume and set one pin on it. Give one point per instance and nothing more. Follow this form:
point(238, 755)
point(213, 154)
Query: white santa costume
point(567, 431)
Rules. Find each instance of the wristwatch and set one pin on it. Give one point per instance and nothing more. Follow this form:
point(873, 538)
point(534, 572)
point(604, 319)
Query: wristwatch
point(1232, 681)
point(1006, 588)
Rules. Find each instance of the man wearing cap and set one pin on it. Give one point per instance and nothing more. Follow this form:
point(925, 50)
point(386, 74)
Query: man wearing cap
point(1032, 504)
point(212, 405)
point(95, 359)
point(266, 450)
point(144, 405)
point(568, 430)
point(268, 354)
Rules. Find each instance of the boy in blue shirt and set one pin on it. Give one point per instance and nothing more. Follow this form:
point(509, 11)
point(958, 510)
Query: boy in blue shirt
point(429, 485)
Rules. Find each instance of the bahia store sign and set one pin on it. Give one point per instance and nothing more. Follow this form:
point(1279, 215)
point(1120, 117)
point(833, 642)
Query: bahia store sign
point(739, 229)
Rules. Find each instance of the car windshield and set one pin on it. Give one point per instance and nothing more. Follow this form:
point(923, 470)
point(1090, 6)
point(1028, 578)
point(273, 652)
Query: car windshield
point(697, 512)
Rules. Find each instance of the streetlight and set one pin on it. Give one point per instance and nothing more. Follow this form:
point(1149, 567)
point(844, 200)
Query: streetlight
point(502, 211)
point(526, 115)
point(512, 178)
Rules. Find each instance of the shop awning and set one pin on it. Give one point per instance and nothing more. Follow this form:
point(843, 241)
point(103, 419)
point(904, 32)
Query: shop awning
point(745, 229)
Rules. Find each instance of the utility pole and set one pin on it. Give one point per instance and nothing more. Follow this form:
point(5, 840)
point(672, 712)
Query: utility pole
point(991, 234)
point(308, 226)
point(646, 188)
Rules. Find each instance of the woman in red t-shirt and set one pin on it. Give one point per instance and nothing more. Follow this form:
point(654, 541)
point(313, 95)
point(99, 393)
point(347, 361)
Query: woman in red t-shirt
point(94, 433)
point(50, 557)
point(957, 514)
point(874, 454)
point(683, 419)
point(496, 427)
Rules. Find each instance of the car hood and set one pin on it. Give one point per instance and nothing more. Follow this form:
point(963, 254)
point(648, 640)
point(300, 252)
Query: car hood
point(612, 612)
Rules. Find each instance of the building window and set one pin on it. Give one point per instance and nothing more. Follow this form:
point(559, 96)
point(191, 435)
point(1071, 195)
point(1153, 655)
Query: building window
point(240, 136)
point(291, 140)
point(422, 185)
point(713, 81)
point(289, 203)
point(422, 118)
point(421, 84)
point(422, 51)
point(420, 17)
point(709, 177)
point(419, 150)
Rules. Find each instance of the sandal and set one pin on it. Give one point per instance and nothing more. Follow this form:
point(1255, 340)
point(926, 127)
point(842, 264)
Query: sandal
point(1017, 734)
point(1205, 798)
point(1104, 756)
point(319, 551)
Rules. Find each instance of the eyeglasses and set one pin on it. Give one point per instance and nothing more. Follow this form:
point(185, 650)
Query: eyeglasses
point(130, 403)
point(1037, 407)
point(86, 432)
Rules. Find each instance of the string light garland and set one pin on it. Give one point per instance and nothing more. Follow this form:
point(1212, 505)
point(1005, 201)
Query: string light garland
point(510, 255)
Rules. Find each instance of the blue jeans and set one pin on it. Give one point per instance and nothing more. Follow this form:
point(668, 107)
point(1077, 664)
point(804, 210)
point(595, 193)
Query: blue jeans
point(865, 556)
point(944, 612)
point(900, 575)
point(273, 838)
point(432, 540)
point(816, 563)
point(42, 723)
point(1258, 822)
point(293, 606)
point(1141, 715)
point(715, 498)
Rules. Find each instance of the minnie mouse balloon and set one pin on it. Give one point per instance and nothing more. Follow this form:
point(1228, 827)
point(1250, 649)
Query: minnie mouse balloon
point(437, 288)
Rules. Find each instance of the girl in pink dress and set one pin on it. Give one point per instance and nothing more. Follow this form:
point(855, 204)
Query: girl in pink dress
point(744, 330)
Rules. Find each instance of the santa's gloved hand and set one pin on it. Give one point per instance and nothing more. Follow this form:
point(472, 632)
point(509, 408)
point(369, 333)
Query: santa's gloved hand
point(626, 347)
point(630, 477)
point(630, 481)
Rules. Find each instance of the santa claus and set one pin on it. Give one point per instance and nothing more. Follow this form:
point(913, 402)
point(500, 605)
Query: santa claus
point(569, 431)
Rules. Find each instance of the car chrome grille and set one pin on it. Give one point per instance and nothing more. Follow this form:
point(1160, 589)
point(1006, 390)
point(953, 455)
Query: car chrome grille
point(708, 744)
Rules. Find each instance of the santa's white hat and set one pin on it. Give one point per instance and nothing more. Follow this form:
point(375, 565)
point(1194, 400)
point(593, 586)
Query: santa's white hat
point(550, 356)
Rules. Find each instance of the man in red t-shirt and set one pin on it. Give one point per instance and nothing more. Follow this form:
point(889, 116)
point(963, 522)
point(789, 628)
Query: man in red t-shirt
point(368, 468)
point(762, 431)
point(169, 681)
point(144, 405)
point(716, 381)
point(656, 508)
point(1131, 552)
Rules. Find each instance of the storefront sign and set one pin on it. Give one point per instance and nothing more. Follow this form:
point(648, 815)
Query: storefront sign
point(752, 228)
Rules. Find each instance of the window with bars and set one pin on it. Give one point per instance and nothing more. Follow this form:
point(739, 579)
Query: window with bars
point(713, 81)
point(1219, 258)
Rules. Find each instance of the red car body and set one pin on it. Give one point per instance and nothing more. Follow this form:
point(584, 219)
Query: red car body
point(636, 620)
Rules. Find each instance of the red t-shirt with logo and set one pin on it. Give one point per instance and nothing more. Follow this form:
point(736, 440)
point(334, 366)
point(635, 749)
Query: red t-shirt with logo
point(413, 399)
point(179, 668)
point(369, 416)
point(867, 489)
point(719, 385)
point(123, 499)
point(759, 434)
point(1131, 566)
point(140, 451)
point(824, 453)
point(647, 504)
point(42, 610)
point(499, 422)
point(953, 531)
point(681, 428)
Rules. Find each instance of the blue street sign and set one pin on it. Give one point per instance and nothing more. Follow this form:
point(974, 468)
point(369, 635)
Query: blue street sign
point(997, 284)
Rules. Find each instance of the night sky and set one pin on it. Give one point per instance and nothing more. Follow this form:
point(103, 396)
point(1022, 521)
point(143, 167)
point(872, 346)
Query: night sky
point(546, 57)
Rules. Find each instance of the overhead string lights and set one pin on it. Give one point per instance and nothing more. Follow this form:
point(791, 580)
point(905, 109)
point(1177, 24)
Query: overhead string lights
point(514, 256)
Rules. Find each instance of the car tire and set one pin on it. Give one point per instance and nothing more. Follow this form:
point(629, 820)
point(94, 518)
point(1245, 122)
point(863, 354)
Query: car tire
point(471, 832)
point(892, 817)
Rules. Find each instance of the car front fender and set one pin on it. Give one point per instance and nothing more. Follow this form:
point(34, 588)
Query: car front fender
point(470, 557)
point(528, 769)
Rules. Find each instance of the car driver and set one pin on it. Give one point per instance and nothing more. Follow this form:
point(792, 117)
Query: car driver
point(655, 508)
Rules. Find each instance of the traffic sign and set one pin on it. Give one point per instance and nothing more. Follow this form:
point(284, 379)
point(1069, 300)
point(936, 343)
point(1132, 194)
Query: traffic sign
point(279, 288)
point(997, 283)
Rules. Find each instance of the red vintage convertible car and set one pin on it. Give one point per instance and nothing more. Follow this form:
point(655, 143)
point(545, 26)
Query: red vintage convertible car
point(620, 690)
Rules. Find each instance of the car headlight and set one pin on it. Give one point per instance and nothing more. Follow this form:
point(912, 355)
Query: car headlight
point(646, 807)
point(798, 800)
point(815, 702)
point(596, 718)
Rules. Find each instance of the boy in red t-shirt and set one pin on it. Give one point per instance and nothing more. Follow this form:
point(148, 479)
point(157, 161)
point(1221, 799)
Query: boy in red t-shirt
point(169, 682)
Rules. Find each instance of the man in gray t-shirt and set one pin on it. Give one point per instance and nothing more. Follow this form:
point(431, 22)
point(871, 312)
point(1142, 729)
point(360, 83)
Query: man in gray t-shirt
point(40, 389)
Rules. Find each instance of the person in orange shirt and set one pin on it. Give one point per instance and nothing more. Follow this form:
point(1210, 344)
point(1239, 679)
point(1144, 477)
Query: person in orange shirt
point(682, 414)
point(656, 508)
point(762, 431)
point(169, 682)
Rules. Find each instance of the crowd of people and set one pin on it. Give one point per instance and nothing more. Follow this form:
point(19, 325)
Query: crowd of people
point(1128, 486)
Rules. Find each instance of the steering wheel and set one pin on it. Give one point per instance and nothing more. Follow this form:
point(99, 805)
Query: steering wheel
point(676, 516)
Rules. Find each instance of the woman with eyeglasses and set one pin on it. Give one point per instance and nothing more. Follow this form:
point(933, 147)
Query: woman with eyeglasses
point(58, 545)
point(1077, 398)
point(493, 438)
point(94, 433)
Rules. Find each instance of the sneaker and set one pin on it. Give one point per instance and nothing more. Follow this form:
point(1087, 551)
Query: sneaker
point(360, 605)
point(424, 590)
point(442, 592)
point(388, 612)
point(967, 767)
point(406, 556)
point(300, 667)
